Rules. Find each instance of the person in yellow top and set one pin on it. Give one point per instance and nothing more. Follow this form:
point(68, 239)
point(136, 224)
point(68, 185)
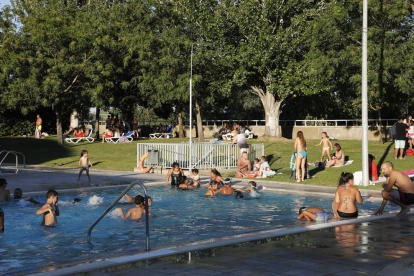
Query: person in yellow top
point(39, 125)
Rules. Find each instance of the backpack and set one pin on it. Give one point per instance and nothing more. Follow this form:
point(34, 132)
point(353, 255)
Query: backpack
point(409, 152)
point(393, 131)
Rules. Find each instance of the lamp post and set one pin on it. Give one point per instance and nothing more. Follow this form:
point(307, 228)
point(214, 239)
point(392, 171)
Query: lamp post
point(191, 104)
point(365, 168)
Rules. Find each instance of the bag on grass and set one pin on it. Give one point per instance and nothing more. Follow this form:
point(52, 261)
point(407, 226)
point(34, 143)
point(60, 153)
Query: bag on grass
point(409, 152)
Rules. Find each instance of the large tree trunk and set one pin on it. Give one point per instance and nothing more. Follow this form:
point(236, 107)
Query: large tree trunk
point(59, 128)
point(272, 111)
point(180, 124)
point(97, 117)
point(199, 122)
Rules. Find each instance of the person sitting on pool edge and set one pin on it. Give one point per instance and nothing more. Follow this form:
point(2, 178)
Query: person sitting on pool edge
point(226, 190)
point(345, 196)
point(49, 213)
point(403, 196)
point(4, 194)
point(135, 213)
point(312, 214)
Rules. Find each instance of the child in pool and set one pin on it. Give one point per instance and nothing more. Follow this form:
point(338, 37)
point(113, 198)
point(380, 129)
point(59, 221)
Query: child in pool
point(325, 148)
point(194, 181)
point(85, 167)
point(4, 194)
point(312, 214)
point(226, 190)
point(18, 194)
point(130, 198)
point(252, 186)
point(264, 166)
point(137, 212)
point(49, 213)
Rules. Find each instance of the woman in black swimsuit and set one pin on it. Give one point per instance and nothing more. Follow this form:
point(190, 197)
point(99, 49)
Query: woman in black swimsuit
point(346, 194)
point(177, 176)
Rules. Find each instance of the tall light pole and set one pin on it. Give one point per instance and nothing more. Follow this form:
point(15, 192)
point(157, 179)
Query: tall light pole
point(191, 104)
point(365, 176)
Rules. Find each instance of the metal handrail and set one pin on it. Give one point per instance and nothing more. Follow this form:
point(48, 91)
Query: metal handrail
point(115, 202)
point(17, 158)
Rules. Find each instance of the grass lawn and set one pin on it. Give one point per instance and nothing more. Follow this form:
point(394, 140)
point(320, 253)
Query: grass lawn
point(122, 157)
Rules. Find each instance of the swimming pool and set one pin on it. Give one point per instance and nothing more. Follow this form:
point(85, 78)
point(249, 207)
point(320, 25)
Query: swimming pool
point(181, 217)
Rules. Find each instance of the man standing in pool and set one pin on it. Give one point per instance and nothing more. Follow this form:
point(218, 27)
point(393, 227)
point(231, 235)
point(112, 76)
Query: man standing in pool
point(403, 196)
point(49, 213)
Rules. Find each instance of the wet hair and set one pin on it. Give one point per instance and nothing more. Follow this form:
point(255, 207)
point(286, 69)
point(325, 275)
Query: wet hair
point(139, 200)
point(370, 156)
point(18, 193)
point(345, 177)
point(3, 182)
point(325, 134)
point(253, 183)
point(388, 164)
point(264, 157)
point(216, 172)
point(257, 159)
point(301, 210)
point(51, 193)
point(338, 146)
point(301, 137)
point(83, 152)
point(76, 200)
point(194, 170)
point(175, 165)
point(228, 180)
point(239, 194)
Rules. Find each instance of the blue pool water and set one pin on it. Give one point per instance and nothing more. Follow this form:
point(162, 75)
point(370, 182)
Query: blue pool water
point(181, 217)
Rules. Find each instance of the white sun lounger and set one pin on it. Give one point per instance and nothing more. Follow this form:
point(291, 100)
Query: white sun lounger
point(167, 134)
point(115, 140)
point(76, 140)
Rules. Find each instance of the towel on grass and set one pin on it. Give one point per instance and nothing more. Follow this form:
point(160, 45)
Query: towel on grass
point(345, 163)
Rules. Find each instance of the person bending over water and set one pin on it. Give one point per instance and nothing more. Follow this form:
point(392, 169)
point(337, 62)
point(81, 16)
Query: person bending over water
point(177, 176)
point(216, 180)
point(344, 203)
point(49, 213)
point(135, 213)
point(4, 194)
point(403, 196)
point(338, 159)
point(226, 190)
point(300, 148)
point(312, 214)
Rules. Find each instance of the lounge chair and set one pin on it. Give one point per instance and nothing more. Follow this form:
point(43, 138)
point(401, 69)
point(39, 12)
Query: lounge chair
point(248, 134)
point(115, 140)
point(167, 134)
point(76, 140)
point(228, 136)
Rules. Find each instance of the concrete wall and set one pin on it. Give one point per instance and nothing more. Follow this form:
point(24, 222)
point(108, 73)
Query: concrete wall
point(310, 132)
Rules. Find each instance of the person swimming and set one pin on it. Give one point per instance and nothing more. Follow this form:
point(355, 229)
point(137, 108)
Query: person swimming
point(49, 213)
point(312, 214)
point(252, 189)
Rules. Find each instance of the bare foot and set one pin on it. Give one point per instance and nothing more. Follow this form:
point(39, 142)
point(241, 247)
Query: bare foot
point(298, 180)
point(402, 158)
point(404, 210)
point(395, 158)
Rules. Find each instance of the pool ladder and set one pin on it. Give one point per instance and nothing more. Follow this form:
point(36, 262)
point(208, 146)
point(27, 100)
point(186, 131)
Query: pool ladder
point(17, 158)
point(115, 202)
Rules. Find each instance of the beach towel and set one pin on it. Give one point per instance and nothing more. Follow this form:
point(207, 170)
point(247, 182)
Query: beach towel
point(408, 172)
point(345, 164)
point(380, 179)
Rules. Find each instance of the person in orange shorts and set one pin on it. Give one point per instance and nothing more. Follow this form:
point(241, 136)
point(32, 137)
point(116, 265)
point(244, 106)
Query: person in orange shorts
point(141, 164)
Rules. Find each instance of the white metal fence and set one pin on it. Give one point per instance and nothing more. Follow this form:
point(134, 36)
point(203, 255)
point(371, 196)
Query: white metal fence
point(204, 155)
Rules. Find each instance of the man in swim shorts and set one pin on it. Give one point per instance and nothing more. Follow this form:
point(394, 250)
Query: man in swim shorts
point(39, 125)
point(403, 196)
point(312, 214)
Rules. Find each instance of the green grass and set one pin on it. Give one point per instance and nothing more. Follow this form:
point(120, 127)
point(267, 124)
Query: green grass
point(122, 157)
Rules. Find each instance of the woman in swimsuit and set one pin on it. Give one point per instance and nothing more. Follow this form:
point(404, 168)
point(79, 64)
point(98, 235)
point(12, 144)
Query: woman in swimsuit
point(177, 176)
point(300, 148)
point(346, 194)
point(216, 180)
point(338, 159)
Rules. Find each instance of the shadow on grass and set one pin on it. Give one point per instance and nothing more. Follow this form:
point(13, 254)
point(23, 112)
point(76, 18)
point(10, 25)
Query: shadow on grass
point(385, 154)
point(36, 151)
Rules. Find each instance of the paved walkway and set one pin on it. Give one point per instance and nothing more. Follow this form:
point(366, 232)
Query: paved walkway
point(382, 247)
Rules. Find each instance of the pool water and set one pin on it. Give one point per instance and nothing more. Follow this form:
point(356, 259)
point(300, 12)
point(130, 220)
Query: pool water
point(181, 217)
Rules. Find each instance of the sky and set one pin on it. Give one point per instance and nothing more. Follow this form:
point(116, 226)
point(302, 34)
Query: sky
point(4, 3)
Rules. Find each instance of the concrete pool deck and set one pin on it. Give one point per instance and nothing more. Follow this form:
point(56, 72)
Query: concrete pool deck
point(378, 247)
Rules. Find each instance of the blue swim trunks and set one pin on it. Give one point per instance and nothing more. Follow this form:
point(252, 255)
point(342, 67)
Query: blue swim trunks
point(320, 217)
